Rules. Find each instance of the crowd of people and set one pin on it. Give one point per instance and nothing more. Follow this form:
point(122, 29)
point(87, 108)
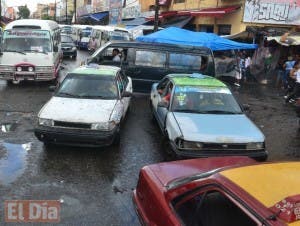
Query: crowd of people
point(288, 77)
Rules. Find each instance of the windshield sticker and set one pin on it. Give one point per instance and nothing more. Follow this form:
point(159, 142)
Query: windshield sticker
point(37, 48)
point(36, 34)
point(185, 89)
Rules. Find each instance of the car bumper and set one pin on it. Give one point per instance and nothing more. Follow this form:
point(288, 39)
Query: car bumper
point(75, 137)
point(69, 53)
point(35, 76)
point(138, 208)
point(260, 154)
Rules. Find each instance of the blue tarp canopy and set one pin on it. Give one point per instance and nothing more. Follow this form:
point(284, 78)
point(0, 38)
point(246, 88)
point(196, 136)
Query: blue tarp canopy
point(179, 36)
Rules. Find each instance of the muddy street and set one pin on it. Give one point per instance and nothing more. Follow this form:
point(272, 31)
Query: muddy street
point(95, 184)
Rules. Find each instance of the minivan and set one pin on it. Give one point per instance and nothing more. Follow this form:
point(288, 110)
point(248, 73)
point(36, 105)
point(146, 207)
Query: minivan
point(147, 63)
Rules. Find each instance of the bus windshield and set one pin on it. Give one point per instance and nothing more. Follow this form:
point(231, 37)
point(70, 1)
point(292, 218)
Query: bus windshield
point(119, 35)
point(27, 41)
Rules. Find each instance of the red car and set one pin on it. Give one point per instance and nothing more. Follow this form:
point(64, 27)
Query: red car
point(228, 191)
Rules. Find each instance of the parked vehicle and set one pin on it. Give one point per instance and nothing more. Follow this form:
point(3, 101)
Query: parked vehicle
point(199, 117)
point(147, 63)
point(68, 47)
point(87, 108)
point(103, 34)
point(81, 35)
point(31, 50)
point(65, 29)
point(228, 191)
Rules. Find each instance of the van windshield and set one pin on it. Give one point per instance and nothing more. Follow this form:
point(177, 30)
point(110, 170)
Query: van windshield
point(27, 41)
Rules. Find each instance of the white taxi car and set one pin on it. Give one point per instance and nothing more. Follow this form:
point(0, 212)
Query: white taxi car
point(200, 117)
point(87, 108)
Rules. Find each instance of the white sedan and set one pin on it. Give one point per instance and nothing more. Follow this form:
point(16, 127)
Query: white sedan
point(87, 108)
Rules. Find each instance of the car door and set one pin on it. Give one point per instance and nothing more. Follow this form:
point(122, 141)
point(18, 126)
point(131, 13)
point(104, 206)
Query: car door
point(211, 206)
point(122, 88)
point(145, 67)
point(163, 110)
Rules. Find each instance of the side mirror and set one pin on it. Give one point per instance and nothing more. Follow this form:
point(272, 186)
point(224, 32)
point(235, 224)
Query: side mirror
point(126, 94)
point(246, 107)
point(52, 88)
point(162, 104)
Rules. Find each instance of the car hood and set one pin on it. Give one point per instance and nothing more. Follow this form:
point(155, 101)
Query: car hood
point(78, 110)
point(40, 59)
point(218, 128)
point(169, 171)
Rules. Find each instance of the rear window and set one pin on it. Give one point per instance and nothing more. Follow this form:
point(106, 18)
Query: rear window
point(150, 58)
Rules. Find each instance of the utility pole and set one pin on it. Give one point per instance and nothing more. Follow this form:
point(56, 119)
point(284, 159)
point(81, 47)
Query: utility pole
point(75, 13)
point(66, 11)
point(156, 19)
point(54, 10)
point(0, 10)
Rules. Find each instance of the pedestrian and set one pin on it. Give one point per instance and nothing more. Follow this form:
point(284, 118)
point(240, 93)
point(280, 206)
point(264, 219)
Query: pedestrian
point(280, 73)
point(247, 68)
point(92, 45)
point(295, 75)
point(288, 83)
point(116, 55)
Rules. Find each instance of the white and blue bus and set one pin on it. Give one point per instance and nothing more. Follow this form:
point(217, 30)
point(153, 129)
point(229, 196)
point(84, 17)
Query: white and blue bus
point(30, 50)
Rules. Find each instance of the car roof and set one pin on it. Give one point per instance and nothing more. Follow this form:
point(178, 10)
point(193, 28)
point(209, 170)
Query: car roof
point(96, 70)
point(196, 80)
point(282, 179)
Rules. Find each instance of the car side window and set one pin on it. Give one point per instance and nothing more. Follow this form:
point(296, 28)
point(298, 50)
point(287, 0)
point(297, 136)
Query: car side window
point(212, 208)
point(150, 58)
point(124, 79)
point(184, 61)
point(162, 86)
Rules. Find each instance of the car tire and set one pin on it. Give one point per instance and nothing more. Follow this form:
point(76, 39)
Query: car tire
point(117, 140)
point(74, 57)
point(261, 159)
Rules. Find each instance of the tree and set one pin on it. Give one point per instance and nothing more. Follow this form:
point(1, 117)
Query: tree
point(24, 12)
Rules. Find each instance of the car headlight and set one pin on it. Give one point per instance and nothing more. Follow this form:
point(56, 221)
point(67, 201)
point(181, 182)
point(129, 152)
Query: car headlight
point(74, 48)
point(183, 144)
point(107, 126)
point(255, 145)
point(19, 69)
point(30, 69)
point(46, 122)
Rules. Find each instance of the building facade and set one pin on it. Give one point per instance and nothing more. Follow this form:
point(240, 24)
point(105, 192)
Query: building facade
point(224, 17)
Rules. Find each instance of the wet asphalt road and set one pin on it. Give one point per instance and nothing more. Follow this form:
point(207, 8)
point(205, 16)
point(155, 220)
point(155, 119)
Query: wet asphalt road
point(95, 185)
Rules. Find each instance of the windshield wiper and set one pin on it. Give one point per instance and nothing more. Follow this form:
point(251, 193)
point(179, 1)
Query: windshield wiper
point(206, 112)
point(14, 51)
point(95, 97)
point(221, 112)
point(35, 51)
point(67, 94)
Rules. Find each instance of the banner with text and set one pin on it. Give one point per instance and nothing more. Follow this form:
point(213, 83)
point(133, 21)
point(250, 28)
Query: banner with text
point(115, 11)
point(272, 11)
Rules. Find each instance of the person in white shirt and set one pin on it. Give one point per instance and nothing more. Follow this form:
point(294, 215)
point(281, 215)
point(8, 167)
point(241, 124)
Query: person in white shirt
point(116, 55)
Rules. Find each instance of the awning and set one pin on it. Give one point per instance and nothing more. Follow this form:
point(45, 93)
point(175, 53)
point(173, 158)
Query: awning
point(215, 12)
point(179, 21)
point(135, 22)
point(286, 39)
point(208, 12)
point(98, 16)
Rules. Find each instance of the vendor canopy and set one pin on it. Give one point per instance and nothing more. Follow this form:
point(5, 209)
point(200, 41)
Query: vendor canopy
point(179, 36)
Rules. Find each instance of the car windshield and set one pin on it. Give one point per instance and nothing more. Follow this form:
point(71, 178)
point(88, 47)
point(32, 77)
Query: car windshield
point(86, 33)
point(27, 41)
point(204, 100)
point(65, 38)
point(88, 87)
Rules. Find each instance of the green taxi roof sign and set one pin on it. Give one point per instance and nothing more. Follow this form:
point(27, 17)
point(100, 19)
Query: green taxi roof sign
point(96, 70)
point(196, 80)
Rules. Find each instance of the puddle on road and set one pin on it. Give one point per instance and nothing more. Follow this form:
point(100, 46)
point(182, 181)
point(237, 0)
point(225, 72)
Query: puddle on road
point(13, 164)
point(8, 127)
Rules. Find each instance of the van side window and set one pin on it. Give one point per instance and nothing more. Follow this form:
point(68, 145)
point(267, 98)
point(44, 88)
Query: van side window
point(151, 59)
point(184, 61)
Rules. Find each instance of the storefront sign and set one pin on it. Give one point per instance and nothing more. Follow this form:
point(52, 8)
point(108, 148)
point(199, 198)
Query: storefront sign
point(131, 12)
point(115, 11)
point(272, 12)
